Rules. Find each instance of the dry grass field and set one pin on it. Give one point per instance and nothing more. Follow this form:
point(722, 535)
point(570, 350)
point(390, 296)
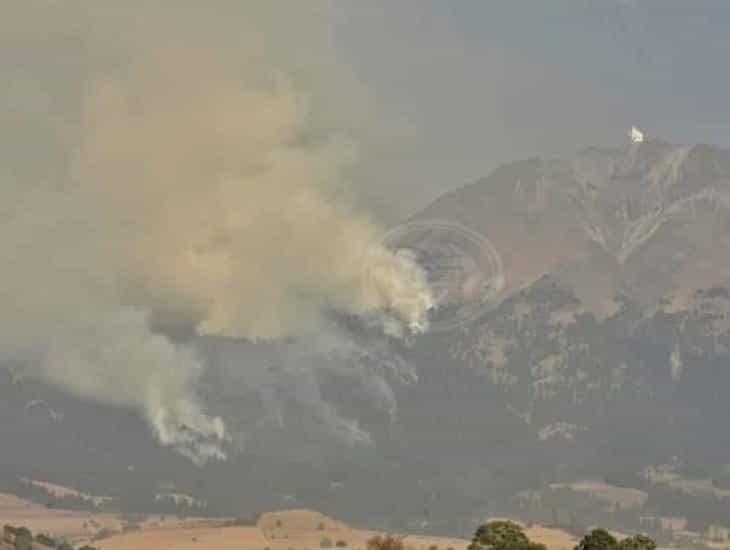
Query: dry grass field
point(283, 530)
point(294, 530)
point(61, 523)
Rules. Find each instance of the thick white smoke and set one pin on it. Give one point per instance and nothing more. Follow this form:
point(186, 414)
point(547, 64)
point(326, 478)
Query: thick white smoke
point(205, 195)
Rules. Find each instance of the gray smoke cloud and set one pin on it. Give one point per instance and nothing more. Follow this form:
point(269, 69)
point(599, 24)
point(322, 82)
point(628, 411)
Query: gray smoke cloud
point(304, 398)
point(171, 170)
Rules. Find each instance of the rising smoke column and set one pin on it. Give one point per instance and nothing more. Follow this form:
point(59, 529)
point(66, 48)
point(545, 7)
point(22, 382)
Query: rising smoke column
point(205, 195)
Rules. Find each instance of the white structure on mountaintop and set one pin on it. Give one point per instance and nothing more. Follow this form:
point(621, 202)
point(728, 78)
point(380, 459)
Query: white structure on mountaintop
point(636, 135)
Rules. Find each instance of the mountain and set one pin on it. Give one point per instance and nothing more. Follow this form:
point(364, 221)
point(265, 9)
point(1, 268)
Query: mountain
point(576, 373)
point(647, 221)
point(605, 353)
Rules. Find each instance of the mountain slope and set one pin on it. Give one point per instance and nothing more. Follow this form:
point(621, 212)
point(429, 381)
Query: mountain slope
point(646, 221)
point(607, 350)
point(603, 357)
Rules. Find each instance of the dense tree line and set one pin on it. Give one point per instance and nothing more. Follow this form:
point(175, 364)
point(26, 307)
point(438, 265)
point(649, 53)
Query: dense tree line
point(22, 539)
point(507, 535)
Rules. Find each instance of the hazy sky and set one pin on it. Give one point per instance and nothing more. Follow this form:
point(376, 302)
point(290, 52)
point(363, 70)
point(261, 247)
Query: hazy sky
point(476, 83)
point(436, 93)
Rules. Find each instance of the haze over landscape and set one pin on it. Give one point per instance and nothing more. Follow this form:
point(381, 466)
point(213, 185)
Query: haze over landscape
point(282, 273)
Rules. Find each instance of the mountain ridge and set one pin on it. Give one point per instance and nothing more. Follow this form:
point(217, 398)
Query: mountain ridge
point(607, 207)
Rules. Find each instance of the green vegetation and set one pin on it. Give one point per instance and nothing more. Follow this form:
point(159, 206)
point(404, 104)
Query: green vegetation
point(385, 542)
point(600, 539)
point(637, 542)
point(325, 543)
point(341, 544)
point(45, 540)
point(507, 535)
point(103, 533)
point(22, 539)
point(502, 535)
point(243, 521)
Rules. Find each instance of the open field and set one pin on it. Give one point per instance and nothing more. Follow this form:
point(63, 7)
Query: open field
point(61, 523)
point(283, 530)
point(294, 530)
point(78, 527)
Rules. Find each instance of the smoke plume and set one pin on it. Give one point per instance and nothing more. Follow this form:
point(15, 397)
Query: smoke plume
point(181, 178)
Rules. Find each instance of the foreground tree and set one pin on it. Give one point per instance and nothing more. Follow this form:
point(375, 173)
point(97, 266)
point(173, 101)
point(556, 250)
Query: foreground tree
point(23, 539)
point(637, 542)
point(598, 539)
point(502, 535)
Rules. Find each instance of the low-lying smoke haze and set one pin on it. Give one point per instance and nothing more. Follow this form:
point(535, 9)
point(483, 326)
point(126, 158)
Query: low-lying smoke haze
point(175, 173)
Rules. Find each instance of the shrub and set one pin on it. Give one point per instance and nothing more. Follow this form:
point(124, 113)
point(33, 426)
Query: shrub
point(23, 544)
point(23, 532)
point(103, 533)
point(45, 540)
point(325, 543)
point(23, 539)
point(341, 544)
point(385, 542)
point(242, 521)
